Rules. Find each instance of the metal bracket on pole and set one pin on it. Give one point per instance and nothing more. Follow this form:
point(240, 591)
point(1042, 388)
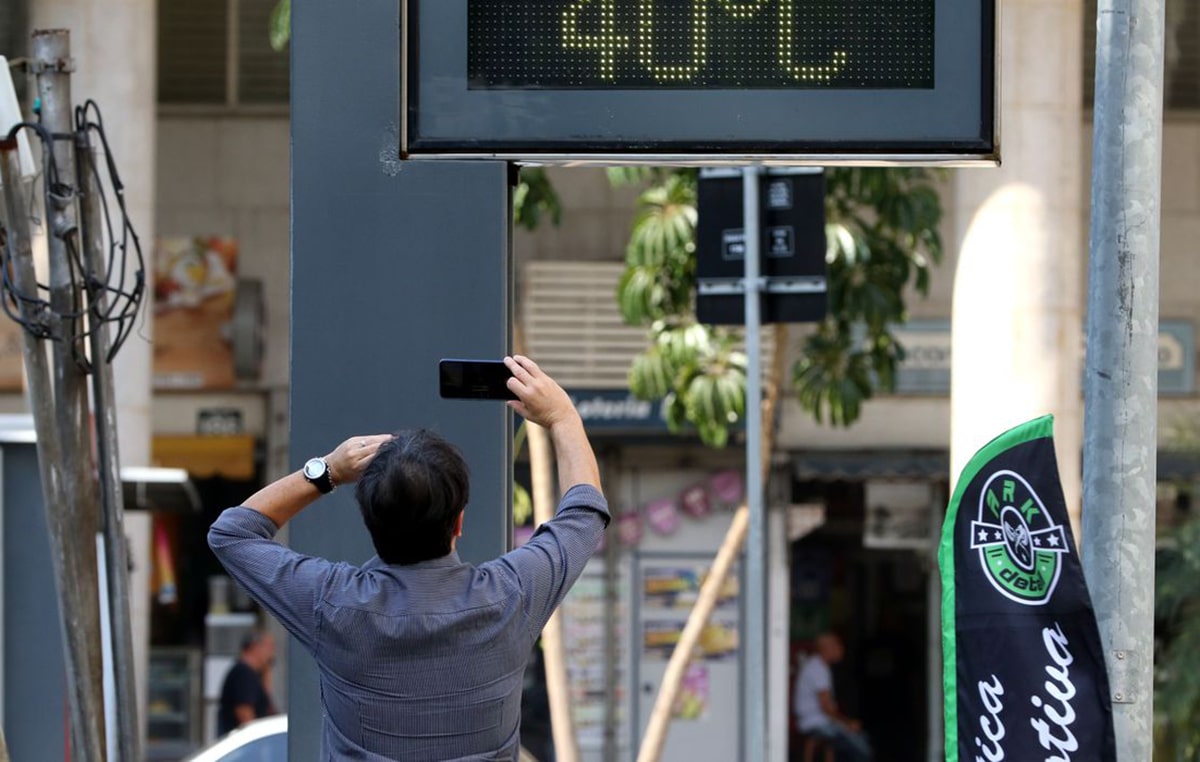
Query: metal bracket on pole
point(1122, 671)
point(57, 66)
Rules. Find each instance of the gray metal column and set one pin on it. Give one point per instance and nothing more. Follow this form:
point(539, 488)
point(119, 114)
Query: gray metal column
point(1121, 381)
point(755, 665)
point(394, 265)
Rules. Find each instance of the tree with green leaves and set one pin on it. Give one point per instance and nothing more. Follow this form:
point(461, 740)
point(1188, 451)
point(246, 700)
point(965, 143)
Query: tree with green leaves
point(882, 238)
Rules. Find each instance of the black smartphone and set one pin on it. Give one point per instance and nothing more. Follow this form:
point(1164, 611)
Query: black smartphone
point(474, 380)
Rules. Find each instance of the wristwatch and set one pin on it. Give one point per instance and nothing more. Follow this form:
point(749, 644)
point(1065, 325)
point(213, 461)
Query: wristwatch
point(316, 470)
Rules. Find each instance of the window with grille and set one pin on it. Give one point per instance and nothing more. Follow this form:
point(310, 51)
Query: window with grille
point(574, 329)
point(218, 52)
point(1181, 55)
point(572, 325)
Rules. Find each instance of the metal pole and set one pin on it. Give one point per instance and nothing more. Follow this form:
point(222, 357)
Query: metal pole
point(77, 603)
point(77, 515)
point(1121, 382)
point(116, 557)
point(755, 665)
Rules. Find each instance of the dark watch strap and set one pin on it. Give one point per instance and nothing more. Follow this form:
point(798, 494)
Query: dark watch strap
point(324, 482)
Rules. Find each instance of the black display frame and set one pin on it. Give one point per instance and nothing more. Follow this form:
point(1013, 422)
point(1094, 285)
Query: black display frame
point(955, 122)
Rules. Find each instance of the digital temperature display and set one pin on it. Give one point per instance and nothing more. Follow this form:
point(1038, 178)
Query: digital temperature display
point(700, 44)
point(700, 82)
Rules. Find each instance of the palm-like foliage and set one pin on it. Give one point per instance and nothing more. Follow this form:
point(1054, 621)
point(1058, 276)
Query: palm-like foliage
point(695, 369)
point(660, 259)
point(881, 238)
point(881, 235)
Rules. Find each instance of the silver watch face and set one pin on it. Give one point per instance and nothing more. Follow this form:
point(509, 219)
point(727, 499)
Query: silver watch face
point(315, 468)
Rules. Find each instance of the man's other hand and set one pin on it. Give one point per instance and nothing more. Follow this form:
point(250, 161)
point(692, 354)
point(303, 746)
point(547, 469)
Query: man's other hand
point(350, 459)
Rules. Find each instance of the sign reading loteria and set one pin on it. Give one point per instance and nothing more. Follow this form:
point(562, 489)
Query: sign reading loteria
point(1024, 673)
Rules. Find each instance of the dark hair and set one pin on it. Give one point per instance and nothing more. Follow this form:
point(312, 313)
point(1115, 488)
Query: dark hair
point(411, 494)
point(253, 637)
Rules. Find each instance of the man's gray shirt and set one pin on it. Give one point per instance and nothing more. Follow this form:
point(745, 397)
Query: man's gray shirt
point(422, 662)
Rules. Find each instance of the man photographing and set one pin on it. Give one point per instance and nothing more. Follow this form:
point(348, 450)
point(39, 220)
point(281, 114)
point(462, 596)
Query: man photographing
point(421, 656)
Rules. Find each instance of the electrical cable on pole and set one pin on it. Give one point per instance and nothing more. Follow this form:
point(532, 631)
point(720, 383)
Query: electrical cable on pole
point(89, 261)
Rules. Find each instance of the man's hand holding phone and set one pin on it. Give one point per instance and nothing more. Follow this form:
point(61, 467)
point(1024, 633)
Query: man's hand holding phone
point(539, 398)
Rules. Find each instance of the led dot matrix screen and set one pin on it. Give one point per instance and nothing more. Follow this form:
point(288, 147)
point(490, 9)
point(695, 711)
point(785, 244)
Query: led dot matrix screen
point(700, 81)
point(597, 44)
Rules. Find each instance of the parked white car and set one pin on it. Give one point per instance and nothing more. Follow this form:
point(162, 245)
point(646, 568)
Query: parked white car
point(262, 740)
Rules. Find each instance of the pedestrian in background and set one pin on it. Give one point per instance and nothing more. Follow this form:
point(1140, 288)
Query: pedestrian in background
point(817, 711)
point(246, 691)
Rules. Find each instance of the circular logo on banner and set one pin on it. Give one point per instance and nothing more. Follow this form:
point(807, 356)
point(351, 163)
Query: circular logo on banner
point(1020, 545)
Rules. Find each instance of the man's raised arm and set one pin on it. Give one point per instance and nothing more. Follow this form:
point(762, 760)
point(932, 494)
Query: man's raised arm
point(542, 401)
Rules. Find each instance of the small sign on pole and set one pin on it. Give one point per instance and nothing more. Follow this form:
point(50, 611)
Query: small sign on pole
point(791, 229)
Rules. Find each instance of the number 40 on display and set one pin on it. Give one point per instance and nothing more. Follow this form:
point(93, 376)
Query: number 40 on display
point(610, 40)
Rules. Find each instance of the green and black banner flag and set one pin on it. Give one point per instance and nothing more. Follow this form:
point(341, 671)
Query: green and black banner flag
point(1025, 679)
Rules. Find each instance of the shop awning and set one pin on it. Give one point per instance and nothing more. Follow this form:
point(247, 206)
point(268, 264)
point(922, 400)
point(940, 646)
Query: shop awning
point(206, 456)
point(159, 489)
point(863, 465)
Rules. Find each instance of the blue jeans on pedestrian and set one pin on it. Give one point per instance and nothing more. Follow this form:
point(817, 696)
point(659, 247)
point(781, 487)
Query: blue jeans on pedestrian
point(850, 745)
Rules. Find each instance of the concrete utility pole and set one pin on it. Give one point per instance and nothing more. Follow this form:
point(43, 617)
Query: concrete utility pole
point(1121, 381)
